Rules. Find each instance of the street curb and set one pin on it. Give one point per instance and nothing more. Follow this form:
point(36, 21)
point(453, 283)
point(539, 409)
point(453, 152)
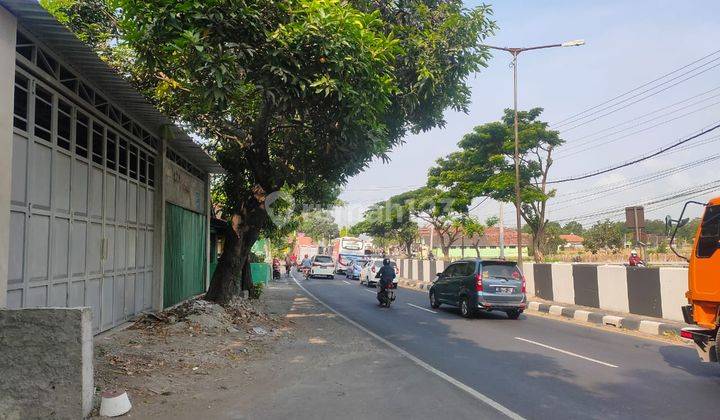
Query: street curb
point(599, 318)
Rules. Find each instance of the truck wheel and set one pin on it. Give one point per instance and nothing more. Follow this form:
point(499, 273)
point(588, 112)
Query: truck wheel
point(717, 350)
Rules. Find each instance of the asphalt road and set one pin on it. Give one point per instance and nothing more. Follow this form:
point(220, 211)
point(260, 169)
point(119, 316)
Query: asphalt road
point(536, 367)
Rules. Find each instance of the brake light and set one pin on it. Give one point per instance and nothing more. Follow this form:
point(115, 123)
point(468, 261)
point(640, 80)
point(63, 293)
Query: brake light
point(523, 283)
point(686, 334)
point(478, 282)
point(373, 268)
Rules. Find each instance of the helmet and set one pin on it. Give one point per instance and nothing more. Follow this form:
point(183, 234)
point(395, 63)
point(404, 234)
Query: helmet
point(386, 261)
point(633, 252)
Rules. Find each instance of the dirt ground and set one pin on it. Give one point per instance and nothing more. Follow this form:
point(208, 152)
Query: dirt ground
point(168, 359)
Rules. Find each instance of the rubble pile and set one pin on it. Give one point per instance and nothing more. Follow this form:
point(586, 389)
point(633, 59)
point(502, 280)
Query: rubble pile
point(202, 316)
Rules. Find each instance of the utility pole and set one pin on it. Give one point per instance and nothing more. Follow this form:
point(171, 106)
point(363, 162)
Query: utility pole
point(515, 52)
point(502, 231)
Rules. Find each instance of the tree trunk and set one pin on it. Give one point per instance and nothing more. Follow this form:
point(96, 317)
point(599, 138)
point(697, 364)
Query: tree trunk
point(232, 274)
point(537, 244)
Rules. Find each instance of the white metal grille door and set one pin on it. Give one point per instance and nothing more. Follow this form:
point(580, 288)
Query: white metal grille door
point(82, 197)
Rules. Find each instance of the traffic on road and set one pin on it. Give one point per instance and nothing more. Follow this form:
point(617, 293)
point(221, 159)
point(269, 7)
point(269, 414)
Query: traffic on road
point(523, 365)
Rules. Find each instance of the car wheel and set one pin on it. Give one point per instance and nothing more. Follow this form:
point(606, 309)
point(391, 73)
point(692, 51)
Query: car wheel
point(434, 302)
point(514, 314)
point(465, 309)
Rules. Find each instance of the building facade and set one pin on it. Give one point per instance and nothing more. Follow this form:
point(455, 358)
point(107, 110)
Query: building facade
point(103, 201)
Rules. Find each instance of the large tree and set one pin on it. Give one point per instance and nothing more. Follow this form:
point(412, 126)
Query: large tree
point(319, 225)
point(484, 166)
point(605, 235)
point(286, 90)
point(442, 210)
point(388, 220)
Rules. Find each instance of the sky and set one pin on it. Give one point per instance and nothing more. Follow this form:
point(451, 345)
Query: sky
point(628, 43)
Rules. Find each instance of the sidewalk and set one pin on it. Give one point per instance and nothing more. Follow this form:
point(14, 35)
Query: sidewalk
point(320, 367)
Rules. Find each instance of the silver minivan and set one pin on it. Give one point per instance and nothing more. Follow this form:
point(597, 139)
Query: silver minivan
point(480, 285)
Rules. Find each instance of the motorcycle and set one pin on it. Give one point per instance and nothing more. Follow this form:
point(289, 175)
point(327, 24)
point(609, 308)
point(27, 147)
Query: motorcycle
point(387, 294)
point(305, 272)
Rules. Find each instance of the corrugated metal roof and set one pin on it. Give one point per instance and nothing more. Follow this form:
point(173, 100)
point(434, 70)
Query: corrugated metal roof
point(81, 58)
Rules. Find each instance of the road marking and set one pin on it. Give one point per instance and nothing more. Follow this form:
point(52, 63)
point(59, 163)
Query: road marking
point(370, 291)
point(566, 352)
point(421, 308)
point(346, 282)
point(478, 395)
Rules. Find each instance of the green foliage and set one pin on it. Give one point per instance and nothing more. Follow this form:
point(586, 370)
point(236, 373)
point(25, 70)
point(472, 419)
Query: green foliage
point(386, 221)
point(441, 209)
point(256, 290)
point(286, 90)
point(605, 235)
point(573, 227)
point(484, 166)
point(319, 225)
point(492, 221)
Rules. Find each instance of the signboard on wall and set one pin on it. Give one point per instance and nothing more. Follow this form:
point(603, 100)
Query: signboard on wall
point(183, 188)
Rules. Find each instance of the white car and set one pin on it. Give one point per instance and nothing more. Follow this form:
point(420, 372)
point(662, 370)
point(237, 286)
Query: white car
point(322, 266)
point(369, 270)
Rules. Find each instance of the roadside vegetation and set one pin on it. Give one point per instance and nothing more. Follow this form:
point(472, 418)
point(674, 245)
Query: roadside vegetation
point(285, 91)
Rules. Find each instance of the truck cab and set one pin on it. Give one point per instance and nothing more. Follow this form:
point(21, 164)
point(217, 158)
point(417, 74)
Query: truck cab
point(703, 309)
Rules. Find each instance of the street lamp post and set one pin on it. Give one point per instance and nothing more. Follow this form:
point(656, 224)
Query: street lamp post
point(515, 52)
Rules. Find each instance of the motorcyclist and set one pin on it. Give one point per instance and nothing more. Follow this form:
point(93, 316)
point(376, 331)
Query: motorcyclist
point(288, 264)
point(306, 264)
point(386, 274)
point(635, 260)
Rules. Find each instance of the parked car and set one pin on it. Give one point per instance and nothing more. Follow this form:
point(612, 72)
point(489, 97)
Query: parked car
point(367, 274)
point(480, 285)
point(354, 270)
point(322, 265)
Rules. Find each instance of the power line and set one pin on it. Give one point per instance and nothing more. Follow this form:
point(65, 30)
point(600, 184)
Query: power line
point(562, 122)
point(629, 185)
point(593, 146)
point(571, 144)
point(634, 102)
point(704, 188)
point(632, 162)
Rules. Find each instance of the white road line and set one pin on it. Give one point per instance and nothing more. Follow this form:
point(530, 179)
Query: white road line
point(370, 291)
point(566, 352)
point(346, 282)
point(478, 395)
point(421, 308)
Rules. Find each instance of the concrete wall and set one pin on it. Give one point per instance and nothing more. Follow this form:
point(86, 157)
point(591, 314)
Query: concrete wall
point(8, 28)
point(46, 363)
point(183, 188)
point(655, 292)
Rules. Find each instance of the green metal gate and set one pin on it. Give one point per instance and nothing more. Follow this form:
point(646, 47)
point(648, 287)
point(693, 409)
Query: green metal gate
point(184, 254)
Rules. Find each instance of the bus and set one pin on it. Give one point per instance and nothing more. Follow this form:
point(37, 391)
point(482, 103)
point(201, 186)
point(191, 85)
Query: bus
point(345, 250)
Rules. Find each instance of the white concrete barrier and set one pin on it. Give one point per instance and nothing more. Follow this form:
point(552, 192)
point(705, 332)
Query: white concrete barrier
point(673, 285)
point(562, 283)
point(612, 288)
point(529, 274)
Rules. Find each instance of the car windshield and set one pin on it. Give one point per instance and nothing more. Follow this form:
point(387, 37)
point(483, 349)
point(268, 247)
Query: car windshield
point(323, 259)
point(501, 270)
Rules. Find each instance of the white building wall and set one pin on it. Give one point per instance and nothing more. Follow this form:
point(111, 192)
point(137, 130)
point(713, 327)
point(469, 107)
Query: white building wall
point(8, 28)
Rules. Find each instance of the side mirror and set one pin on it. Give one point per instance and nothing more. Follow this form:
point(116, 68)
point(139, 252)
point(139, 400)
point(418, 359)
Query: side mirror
point(668, 224)
point(440, 275)
point(683, 222)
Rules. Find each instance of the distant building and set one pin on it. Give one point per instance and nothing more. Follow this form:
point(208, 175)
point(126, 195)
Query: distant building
point(464, 247)
point(572, 241)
